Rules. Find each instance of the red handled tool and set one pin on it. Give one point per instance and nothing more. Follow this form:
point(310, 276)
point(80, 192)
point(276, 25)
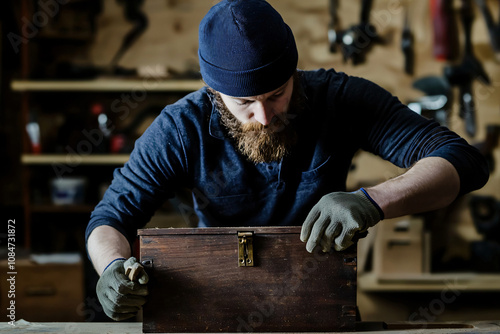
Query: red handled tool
point(445, 30)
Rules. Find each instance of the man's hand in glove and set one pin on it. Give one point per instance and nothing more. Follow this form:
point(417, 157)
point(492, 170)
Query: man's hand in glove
point(337, 217)
point(121, 298)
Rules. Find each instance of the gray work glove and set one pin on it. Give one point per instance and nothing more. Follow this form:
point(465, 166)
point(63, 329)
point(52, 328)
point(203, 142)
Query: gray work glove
point(121, 298)
point(336, 218)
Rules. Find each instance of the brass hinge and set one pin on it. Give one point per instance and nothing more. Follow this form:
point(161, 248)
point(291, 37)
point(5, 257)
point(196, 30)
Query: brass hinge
point(245, 249)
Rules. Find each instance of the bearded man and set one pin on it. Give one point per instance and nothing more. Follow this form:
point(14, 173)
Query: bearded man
point(267, 144)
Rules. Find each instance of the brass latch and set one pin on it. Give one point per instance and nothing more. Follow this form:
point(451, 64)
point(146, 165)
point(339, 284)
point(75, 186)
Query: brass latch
point(245, 249)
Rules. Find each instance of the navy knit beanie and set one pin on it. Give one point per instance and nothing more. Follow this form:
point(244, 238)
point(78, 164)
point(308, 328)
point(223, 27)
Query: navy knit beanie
point(245, 48)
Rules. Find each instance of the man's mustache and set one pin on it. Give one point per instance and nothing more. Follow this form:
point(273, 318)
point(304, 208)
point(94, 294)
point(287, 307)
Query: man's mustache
point(278, 124)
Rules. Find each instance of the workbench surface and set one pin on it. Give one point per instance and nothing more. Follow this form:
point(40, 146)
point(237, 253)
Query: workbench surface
point(22, 326)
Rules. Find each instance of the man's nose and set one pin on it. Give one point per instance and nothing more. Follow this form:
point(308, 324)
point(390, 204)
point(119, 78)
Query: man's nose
point(263, 112)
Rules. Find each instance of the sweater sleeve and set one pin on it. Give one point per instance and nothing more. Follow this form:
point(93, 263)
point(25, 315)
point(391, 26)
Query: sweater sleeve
point(145, 182)
point(388, 128)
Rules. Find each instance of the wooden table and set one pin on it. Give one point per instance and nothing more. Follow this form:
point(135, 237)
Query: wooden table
point(22, 326)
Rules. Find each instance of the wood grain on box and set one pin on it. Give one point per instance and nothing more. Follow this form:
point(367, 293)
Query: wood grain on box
point(198, 285)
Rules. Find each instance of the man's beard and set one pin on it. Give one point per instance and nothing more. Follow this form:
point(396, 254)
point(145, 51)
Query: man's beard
point(260, 143)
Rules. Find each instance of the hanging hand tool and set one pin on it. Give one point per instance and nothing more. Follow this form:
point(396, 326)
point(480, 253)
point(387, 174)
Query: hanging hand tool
point(433, 85)
point(133, 14)
point(407, 45)
point(433, 107)
point(436, 103)
point(485, 253)
point(493, 28)
point(356, 41)
point(485, 212)
point(489, 145)
point(464, 74)
point(445, 30)
point(334, 26)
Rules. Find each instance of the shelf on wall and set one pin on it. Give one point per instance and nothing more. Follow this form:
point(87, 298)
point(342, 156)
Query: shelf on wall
point(473, 282)
point(71, 159)
point(108, 85)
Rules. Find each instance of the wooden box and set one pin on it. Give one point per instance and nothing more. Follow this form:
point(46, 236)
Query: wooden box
point(245, 279)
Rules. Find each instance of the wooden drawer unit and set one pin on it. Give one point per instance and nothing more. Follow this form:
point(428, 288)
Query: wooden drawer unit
point(245, 279)
point(44, 292)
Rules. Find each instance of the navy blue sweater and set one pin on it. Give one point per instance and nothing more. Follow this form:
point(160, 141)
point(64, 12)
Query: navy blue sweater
point(186, 147)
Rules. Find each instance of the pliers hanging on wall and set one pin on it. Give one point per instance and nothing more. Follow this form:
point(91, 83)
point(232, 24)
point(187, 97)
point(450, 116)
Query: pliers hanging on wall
point(356, 41)
point(493, 27)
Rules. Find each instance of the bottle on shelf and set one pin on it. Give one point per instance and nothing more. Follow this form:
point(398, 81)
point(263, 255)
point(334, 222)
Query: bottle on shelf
point(33, 130)
point(99, 130)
